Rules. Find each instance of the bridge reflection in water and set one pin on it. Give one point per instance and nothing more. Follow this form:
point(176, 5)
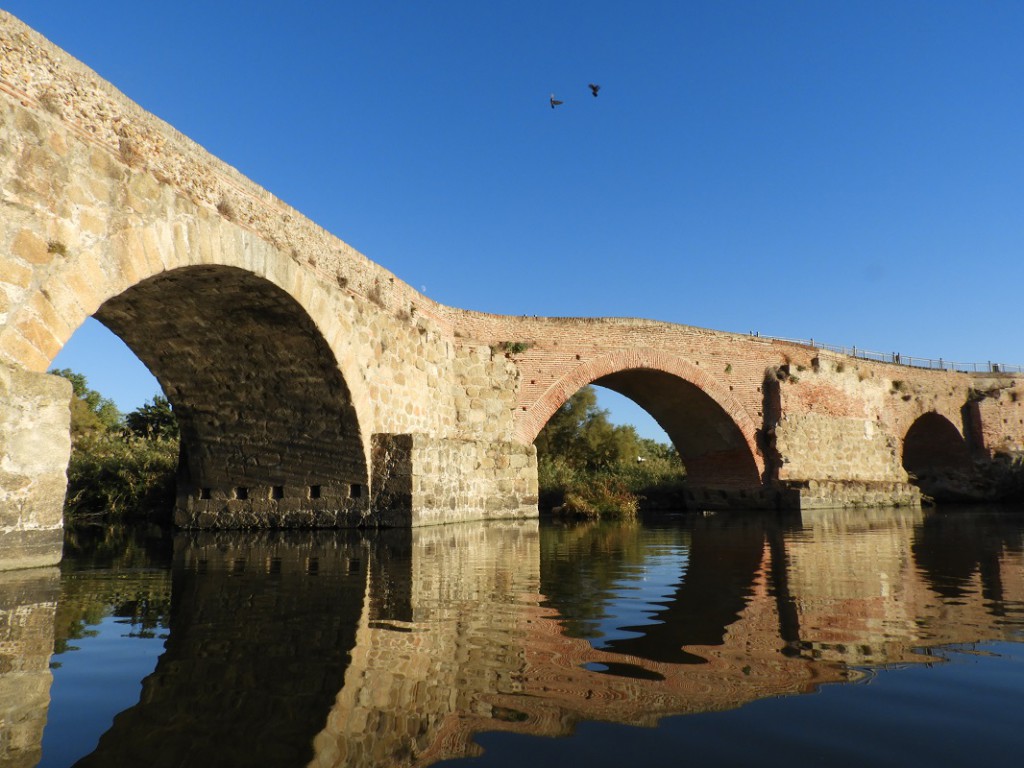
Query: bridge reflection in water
point(345, 649)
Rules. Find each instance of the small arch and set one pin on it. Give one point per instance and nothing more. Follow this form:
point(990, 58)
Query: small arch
point(936, 456)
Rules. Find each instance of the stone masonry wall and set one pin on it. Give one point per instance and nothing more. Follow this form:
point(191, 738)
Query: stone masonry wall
point(827, 440)
point(998, 414)
point(838, 420)
point(35, 444)
point(420, 480)
point(485, 389)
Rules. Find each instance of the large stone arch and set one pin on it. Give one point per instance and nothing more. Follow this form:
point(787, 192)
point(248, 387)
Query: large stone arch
point(714, 434)
point(266, 417)
point(245, 344)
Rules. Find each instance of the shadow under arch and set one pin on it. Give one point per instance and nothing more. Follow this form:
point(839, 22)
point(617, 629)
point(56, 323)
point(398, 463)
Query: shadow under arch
point(269, 430)
point(936, 456)
point(713, 433)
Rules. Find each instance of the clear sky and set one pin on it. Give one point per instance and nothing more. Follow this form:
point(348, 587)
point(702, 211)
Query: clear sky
point(851, 172)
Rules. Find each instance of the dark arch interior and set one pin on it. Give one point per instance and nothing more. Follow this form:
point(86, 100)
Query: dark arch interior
point(710, 444)
point(936, 456)
point(258, 395)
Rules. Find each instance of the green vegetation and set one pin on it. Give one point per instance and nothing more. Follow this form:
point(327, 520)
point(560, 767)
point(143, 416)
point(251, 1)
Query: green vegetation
point(515, 347)
point(154, 421)
point(121, 467)
point(589, 467)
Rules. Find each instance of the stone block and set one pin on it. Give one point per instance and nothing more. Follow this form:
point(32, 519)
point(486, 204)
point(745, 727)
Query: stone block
point(31, 548)
point(32, 248)
point(464, 481)
point(35, 445)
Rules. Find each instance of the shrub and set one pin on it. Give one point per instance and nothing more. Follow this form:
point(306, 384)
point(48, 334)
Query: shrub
point(603, 497)
point(121, 478)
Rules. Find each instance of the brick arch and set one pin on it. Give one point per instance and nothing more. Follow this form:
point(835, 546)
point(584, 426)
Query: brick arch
point(245, 344)
point(653, 378)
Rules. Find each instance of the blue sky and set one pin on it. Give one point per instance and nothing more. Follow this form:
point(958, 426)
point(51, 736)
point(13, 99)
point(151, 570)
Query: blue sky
point(847, 171)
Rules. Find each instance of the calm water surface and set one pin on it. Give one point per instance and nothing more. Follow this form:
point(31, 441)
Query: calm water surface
point(883, 638)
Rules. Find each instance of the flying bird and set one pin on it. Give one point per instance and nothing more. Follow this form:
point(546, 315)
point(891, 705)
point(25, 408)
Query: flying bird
point(554, 102)
point(594, 88)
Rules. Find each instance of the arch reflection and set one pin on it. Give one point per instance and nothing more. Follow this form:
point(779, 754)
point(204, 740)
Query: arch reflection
point(370, 649)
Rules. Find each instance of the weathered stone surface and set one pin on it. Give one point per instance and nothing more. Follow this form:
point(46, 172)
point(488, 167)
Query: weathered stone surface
point(35, 445)
point(30, 548)
point(419, 480)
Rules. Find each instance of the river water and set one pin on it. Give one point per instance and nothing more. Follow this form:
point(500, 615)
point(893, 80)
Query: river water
point(859, 638)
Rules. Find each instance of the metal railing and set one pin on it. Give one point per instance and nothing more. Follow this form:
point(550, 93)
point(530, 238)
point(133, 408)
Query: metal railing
point(898, 359)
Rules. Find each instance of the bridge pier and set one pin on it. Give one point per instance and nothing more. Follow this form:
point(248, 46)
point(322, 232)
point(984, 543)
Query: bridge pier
point(803, 495)
point(423, 480)
point(846, 494)
point(35, 445)
point(417, 480)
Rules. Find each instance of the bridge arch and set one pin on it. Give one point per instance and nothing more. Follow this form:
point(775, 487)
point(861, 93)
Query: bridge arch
point(934, 452)
point(245, 344)
point(713, 433)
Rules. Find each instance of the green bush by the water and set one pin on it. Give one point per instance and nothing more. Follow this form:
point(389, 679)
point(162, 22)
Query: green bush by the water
point(589, 467)
point(119, 476)
point(121, 466)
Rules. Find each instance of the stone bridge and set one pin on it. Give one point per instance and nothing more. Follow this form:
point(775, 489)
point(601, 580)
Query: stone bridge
point(315, 388)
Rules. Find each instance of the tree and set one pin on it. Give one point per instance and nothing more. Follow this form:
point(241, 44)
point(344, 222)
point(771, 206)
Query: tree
point(590, 467)
point(153, 420)
point(580, 434)
point(91, 413)
point(118, 467)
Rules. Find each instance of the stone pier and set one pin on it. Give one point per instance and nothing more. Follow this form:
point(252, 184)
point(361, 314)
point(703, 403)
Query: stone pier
point(35, 444)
